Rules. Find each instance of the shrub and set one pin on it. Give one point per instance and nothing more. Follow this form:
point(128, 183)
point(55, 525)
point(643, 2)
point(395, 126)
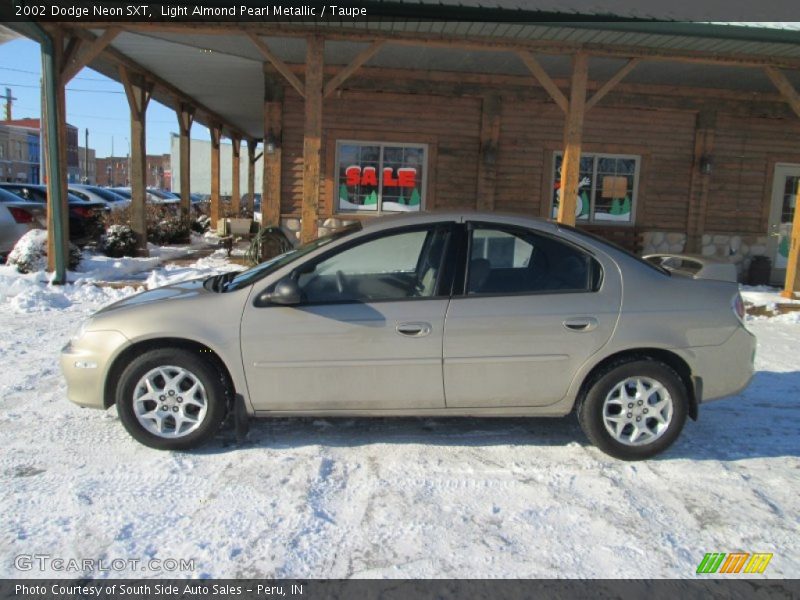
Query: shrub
point(30, 253)
point(164, 224)
point(118, 241)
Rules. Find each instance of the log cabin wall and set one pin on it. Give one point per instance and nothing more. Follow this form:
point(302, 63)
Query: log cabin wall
point(660, 131)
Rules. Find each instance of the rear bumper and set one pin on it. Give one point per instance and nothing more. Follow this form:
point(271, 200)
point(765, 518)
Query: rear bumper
point(724, 370)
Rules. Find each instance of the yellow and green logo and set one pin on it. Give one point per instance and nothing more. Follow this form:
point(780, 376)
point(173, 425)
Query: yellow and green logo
point(734, 562)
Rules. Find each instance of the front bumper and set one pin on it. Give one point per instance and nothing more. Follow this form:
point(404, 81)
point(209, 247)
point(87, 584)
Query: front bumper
point(85, 364)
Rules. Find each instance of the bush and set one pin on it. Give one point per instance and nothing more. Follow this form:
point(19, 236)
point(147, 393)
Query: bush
point(201, 224)
point(164, 224)
point(118, 241)
point(30, 253)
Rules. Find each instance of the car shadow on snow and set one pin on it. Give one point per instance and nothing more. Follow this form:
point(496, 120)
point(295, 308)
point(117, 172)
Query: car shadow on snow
point(759, 423)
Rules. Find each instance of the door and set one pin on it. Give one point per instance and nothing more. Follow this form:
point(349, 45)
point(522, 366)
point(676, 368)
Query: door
point(367, 334)
point(784, 197)
point(534, 309)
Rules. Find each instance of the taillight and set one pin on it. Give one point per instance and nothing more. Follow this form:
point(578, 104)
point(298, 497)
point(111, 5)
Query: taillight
point(82, 211)
point(20, 215)
point(738, 306)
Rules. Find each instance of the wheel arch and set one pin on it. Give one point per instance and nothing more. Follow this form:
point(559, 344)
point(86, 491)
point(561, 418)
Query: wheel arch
point(678, 364)
point(123, 359)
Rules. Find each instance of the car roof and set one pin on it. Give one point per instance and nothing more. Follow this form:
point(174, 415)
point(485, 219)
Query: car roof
point(420, 218)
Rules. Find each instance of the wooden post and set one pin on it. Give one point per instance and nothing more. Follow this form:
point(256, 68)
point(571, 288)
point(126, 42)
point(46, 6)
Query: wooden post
point(251, 174)
point(487, 162)
point(271, 180)
point(57, 182)
point(216, 134)
point(705, 124)
point(573, 136)
point(792, 284)
point(138, 91)
point(312, 140)
point(185, 120)
point(236, 175)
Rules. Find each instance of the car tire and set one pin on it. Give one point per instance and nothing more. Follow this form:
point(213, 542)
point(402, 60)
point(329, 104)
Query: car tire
point(634, 410)
point(172, 399)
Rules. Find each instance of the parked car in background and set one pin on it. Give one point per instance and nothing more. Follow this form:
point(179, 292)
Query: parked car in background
point(99, 194)
point(17, 217)
point(85, 216)
point(474, 314)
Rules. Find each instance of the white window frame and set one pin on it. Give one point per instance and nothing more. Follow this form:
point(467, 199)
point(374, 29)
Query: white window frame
point(595, 155)
point(382, 145)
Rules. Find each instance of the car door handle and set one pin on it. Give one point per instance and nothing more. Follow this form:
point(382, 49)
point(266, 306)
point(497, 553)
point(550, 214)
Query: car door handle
point(580, 323)
point(416, 329)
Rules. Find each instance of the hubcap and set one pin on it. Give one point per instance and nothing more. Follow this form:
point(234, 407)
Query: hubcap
point(170, 402)
point(637, 411)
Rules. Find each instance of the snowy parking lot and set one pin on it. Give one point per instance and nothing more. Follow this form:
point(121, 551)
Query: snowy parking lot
point(383, 497)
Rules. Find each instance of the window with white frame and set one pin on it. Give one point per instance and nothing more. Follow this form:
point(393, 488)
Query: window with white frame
point(380, 177)
point(607, 188)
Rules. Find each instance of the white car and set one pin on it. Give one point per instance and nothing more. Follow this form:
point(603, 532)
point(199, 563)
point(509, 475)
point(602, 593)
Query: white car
point(111, 199)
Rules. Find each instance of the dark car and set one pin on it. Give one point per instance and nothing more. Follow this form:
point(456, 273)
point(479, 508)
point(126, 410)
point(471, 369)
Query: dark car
point(85, 216)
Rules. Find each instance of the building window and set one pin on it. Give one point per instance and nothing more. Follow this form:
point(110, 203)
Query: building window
point(607, 188)
point(376, 177)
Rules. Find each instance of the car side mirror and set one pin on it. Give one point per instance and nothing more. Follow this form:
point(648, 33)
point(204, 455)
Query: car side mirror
point(285, 293)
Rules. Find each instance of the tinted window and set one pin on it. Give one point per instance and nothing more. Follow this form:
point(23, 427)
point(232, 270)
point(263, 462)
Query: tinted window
point(392, 267)
point(515, 261)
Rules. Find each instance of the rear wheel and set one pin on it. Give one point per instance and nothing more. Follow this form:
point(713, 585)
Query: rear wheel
point(634, 410)
point(171, 399)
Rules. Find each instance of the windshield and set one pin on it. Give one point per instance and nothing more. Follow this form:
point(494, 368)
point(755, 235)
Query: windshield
point(105, 194)
point(261, 270)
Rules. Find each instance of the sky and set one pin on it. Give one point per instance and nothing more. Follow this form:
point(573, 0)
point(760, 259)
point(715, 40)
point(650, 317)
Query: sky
point(94, 102)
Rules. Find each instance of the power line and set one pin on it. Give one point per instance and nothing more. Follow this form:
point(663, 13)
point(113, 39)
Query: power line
point(106, 80)
point(36, 87)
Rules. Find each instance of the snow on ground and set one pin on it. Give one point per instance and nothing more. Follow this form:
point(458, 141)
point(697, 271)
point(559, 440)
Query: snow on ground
point(384, 497)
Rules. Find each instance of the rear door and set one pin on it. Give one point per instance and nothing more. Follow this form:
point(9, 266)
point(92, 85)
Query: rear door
point(534, 309)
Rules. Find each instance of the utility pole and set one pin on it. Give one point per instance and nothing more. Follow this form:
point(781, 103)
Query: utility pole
point(86, 158)
point(9, 102)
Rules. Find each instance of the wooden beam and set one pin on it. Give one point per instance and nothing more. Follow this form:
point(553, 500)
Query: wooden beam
point(276, 62)
point(487, 160)
point(544, 80)
point(271, 179)
point(354, 65)
point(573, 136)
point(236, 176)
point(792, 284)
point(138, 92)
point(611, 83)
point(785, 87)
point(185, 121)
point(249, 205)
point(699, 182)
point(203, 114)
point(88, 54)
point(214, 210)
point(312, 136)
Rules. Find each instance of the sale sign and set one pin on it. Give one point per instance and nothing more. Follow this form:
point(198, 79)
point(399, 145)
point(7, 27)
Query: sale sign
point(405, 177)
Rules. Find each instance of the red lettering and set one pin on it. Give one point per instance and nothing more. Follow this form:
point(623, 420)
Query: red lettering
point(353, 175)
point(369, 177)
point(407, 178)
point(389, 180)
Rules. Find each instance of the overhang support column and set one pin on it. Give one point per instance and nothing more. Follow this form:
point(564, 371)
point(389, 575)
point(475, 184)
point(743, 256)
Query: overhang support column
point(251, 175)
point(312, 140)
point(185, 121)
point(273, 133)
point(216, 134)
point(487, 165)
point(705, 125)
point(236, 174)
point(573, 136)
point(138, 91)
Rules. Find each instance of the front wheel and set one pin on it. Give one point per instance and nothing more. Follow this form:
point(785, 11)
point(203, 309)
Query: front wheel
point(171, 399)
point(634, 410)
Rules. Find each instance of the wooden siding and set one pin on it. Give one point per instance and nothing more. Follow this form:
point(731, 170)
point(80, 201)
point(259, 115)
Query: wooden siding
point(531, 130)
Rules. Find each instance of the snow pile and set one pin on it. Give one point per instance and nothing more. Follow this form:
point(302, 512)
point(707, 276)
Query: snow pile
point(204, 267)
point(29, 254)
point(763, 295)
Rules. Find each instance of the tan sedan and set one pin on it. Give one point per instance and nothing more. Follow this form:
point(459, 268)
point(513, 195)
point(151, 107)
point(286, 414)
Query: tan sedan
point(431, 314)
